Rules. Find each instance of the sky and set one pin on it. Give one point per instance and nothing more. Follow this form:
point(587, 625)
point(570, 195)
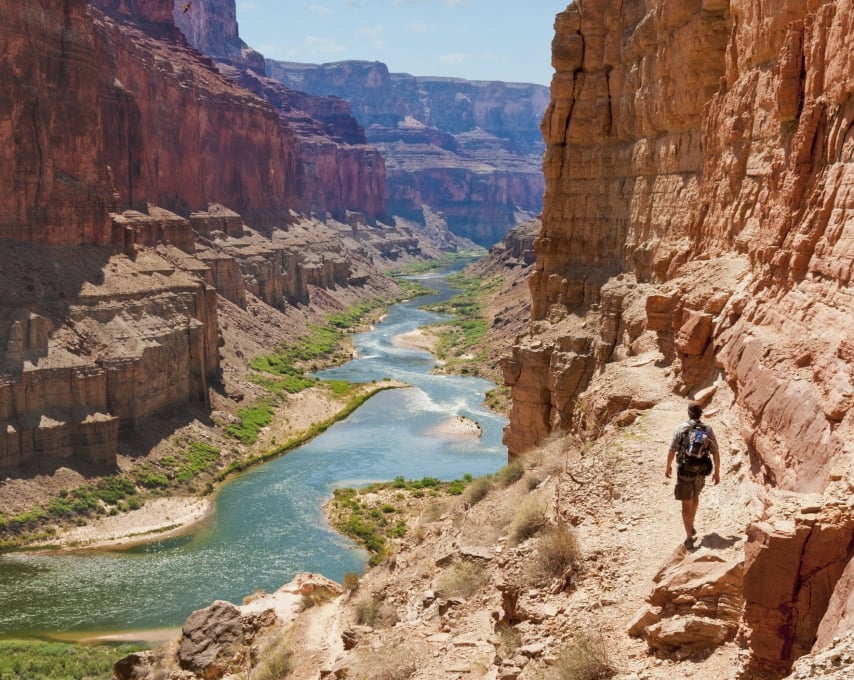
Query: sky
point(508, 40)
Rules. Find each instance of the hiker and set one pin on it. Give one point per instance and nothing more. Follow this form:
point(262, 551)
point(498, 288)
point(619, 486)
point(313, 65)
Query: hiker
point(694, 446)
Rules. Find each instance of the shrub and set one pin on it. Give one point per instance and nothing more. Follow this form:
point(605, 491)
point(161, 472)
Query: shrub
point(315, 598)
point(461, 579)
point(275, 661)
point(509, 640)
point(585, 657)
point(510, 473)
point(252, 419)
point(529, 520)
point(556, 553)
point(477, 490)
point(351, 581)
point(373, 611)
point(59, 660)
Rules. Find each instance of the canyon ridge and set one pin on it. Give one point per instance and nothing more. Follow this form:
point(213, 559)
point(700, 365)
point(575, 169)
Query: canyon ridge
point(695, 244)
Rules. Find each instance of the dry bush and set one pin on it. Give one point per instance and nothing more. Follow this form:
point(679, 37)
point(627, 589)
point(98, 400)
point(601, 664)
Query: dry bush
point(351, 581)
point(512, 472)
point(315, 598)
point(373, 611)
point(477, 490)
point(509, 640)
point(461, 579)
point(532, 481)
point(557, 552)
point(529, 520)
point(274, 661)
point(395, 661)
point(584, 657)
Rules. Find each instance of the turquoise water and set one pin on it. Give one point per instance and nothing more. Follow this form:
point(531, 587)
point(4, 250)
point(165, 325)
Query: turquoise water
point(268, 525)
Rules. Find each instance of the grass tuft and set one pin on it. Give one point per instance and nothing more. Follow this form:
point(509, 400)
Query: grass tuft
point(461, 579)
point(584, 657)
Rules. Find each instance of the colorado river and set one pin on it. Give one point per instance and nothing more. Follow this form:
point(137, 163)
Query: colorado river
point(267, 525)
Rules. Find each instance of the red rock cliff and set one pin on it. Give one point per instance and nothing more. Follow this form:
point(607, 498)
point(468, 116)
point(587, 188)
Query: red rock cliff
point(54, 183)
point(698, 187)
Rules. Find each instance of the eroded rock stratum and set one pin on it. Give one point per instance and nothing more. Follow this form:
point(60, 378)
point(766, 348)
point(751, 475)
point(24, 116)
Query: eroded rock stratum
point(698, 204)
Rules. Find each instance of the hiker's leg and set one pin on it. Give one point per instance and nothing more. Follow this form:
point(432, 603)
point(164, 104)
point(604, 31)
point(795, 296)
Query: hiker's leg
point(689, 512)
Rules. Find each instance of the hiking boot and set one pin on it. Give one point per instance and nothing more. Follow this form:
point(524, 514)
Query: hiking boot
point(689, 542)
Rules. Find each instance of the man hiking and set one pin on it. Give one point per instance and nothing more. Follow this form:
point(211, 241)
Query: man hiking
point(695, 448)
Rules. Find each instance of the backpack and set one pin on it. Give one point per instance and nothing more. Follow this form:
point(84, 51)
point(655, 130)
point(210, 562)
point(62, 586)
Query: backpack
point(696, 456)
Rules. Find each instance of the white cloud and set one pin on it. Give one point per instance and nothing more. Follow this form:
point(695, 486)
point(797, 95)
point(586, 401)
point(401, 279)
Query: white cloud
point(371, 31)
point(417, 28)
point(323, 44)
point(454, 57)
point(455, 3)
point(246, 6)
point(320, 9)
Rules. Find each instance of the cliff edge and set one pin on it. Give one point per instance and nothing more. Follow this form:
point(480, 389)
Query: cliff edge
point(697, 211)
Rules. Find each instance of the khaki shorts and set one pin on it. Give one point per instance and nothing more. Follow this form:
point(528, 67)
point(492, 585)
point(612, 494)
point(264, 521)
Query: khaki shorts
point(688, 488)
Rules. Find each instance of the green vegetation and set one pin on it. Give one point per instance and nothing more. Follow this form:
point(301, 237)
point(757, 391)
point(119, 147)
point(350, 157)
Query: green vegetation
point(252, 419)
point(58, 660)
point(198, 458)
point(461, 335)
point(373, 523)
point(429, 266)
point(275, 660)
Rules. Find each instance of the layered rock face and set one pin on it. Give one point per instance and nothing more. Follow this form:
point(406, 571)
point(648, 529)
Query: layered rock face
point(698, 187)
point(55, 187)
point(468, 150)
point(119, 137)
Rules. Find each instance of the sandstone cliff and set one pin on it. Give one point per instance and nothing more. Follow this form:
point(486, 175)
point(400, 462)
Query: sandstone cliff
point(470, 151)
point(133, 174)
point(698, 174)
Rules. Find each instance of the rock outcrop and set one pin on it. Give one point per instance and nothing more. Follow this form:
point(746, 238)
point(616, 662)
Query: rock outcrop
point(470, 151)
point(698, 181)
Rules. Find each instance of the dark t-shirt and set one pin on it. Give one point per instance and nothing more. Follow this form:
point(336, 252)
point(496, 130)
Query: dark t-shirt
point(679, 443)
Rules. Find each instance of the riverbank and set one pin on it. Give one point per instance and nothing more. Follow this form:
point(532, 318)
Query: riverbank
point(302, 417)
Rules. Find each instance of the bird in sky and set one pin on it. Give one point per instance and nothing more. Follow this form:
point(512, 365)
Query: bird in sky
point(187, 6)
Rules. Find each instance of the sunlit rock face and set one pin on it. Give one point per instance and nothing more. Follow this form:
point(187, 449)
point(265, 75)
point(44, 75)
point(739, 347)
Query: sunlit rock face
point(470, 151)
point(698, 201)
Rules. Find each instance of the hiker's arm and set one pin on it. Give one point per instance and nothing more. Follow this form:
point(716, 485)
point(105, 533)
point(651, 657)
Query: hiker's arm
point(716, 456)
point(669, 469)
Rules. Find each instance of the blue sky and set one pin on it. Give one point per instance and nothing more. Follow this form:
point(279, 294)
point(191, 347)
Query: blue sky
point(475, 39)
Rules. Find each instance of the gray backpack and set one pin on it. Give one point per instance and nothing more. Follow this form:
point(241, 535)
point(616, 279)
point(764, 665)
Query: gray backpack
point(696, 456)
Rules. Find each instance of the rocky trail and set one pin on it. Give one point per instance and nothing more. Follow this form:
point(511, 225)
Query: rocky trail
point(511, 623)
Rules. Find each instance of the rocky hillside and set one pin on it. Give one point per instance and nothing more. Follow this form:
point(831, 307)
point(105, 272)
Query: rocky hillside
point(468, 151)
point(698, 172)
point(147, 200)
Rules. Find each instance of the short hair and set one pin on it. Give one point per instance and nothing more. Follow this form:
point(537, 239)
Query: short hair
point(695, 410)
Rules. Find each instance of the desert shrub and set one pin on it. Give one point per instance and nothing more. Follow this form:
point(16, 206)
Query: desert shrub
point(584, 657)
point(477, 490)
point(315, 598)
point(461, 579)
point(373, 611)
point(274, 661)
point(395, 661)
point(532, 481)
point(509, 640)
point(529, 520)
point(557, 551)
point(510, 473)
point(351, 581)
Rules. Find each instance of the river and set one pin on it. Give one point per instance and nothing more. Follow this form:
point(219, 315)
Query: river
point(268, 524)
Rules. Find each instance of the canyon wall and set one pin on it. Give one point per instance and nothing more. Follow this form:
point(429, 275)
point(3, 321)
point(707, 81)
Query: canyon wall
point(133, 172)
point(470, 151)
point(697, 208)
point(54, 185)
